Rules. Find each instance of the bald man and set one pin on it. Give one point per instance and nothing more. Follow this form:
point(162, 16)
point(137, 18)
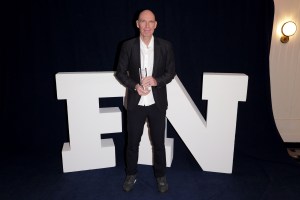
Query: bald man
point(146, 64)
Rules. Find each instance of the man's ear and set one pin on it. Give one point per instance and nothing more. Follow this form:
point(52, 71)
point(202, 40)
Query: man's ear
point(137, 23)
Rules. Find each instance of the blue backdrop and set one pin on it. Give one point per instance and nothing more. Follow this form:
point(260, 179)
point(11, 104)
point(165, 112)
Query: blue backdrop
point(43, 38)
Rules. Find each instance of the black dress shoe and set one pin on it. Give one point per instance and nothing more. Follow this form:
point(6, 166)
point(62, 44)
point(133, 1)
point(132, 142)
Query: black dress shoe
point(129, 182)
point(162, 184)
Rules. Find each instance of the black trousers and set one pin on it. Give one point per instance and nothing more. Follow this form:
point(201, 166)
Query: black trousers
point(135, 124)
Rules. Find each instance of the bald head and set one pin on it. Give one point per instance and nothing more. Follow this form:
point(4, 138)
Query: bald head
point(146, 23)
point(147, 13)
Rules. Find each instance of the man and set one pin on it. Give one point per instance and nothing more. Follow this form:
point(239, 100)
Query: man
point(146, 65)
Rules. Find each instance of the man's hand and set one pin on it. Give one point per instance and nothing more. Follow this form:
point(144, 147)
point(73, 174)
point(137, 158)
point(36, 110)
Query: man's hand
point(148, 81)
point(141, 91)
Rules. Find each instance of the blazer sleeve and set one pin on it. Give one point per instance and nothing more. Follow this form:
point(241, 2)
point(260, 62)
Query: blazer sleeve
point(123, 67)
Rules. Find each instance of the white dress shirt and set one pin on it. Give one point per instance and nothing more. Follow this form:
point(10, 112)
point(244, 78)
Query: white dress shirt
point(147, 58)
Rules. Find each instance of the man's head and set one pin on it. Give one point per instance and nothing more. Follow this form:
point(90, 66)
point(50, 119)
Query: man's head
point(146, 23)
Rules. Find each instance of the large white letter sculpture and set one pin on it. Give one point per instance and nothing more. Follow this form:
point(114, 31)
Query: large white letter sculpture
point(87, 121)
point(211, 142)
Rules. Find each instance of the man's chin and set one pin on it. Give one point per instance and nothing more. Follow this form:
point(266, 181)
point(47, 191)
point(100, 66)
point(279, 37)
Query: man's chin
point(148, 34)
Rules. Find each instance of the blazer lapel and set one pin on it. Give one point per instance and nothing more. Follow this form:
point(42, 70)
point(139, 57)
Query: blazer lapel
point(156, 56)
point(136, 56)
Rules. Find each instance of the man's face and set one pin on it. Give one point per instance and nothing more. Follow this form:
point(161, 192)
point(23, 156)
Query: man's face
point(146, 23)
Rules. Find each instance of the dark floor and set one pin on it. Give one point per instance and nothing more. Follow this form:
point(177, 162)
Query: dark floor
point(39, 176)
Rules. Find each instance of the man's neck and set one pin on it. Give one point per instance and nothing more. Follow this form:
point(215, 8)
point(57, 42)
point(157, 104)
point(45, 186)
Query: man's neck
point(146, 40)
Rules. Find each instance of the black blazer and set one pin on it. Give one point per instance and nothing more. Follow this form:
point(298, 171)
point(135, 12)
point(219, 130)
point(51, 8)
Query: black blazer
point(163, 70)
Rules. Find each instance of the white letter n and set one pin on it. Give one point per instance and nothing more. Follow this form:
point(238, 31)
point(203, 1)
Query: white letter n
point(211, 142)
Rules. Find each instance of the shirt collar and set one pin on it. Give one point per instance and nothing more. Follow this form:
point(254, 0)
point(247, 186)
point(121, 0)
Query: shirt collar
point(151, 43)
